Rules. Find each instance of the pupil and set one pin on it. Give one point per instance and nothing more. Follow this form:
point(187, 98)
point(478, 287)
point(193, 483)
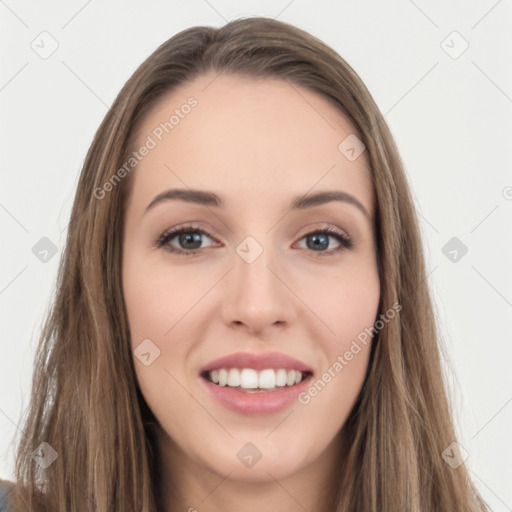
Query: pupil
point(321, 241)
point(190, 237)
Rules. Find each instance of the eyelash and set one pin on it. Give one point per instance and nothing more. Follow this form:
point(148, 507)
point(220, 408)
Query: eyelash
point(345, 241)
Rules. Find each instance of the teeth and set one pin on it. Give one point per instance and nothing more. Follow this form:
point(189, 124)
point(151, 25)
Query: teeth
point(267, 379)
point(233, 378)
point(223, 377)
point(281, 377)
point(249, 378)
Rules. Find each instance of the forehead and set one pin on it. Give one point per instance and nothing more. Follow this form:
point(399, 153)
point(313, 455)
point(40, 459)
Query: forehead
point(248, 139)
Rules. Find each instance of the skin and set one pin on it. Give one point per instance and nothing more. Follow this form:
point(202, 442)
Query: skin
point(257, 143)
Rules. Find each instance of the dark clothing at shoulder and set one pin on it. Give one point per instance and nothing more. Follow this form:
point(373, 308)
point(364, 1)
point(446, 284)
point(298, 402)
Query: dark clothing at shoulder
point(5, 488)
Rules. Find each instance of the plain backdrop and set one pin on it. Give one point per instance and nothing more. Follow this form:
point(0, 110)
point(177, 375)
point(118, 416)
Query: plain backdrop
point(439, 72)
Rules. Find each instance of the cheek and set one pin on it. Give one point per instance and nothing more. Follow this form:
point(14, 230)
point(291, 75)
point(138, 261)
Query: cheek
point(157, 303)
point(347, 304)
point(161, 303)
point(346, 300)
point(157, 300)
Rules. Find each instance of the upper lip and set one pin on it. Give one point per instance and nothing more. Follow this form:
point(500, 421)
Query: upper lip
point(273, 360)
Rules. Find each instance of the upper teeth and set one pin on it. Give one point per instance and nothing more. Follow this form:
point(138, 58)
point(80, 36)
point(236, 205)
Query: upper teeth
point(250, 378)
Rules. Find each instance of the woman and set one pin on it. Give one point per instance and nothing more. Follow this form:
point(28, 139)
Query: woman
point(242, 317)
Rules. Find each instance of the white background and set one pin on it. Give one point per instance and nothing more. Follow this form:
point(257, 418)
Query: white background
point(451, 118)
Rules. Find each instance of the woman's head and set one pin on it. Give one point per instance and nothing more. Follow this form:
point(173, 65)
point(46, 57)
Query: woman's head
point(263, 278)
point(265, 117)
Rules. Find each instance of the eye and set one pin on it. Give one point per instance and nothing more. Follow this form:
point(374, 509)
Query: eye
point(318, 240)
point(189, 240)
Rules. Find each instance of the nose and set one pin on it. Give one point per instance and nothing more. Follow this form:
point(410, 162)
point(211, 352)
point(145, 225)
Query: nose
point(258, 298)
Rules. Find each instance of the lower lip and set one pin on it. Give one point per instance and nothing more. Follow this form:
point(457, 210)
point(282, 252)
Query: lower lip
point(256, 403)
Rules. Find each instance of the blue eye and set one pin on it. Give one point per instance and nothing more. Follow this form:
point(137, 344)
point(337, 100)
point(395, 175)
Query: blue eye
point(189, 241)
point(189, 237)
point(319, 240)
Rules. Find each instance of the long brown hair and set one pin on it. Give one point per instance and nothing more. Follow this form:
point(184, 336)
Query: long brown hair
point(85, 400)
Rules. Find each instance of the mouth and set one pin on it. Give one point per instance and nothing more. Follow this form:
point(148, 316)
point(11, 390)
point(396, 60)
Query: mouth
point(246, 391)
point(256, 384)
point(250, 380)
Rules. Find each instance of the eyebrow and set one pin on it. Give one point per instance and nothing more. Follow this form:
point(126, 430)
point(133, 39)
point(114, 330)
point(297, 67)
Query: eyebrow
point(298, 203)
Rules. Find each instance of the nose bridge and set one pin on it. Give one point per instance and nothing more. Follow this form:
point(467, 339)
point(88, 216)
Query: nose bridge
point(255, 296)
point(252, 274)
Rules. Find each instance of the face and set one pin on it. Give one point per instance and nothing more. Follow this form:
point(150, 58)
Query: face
point(255, 275)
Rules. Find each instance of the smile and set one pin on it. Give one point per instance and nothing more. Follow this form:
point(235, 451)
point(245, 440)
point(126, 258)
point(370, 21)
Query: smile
point(251, 380)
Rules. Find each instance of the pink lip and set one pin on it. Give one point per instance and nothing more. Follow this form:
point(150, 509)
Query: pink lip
point(256, 403)
point(274, 360)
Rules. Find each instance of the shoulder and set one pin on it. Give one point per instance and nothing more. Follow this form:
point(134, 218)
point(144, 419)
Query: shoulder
point(5, 489)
